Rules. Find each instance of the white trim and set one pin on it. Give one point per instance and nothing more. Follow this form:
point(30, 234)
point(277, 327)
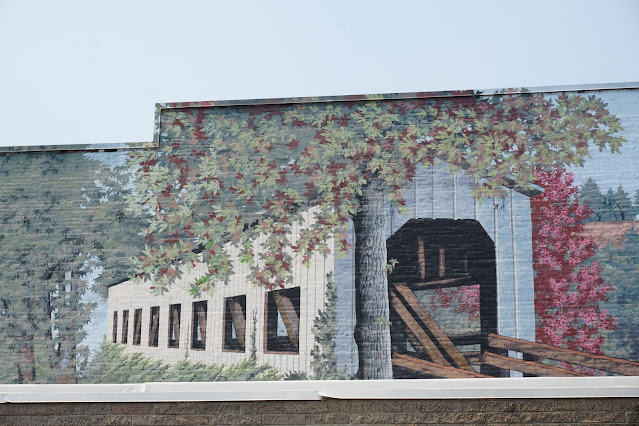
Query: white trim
point(529, 387)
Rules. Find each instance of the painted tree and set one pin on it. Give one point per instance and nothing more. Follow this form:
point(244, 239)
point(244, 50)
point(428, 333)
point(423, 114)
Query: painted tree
point(57, 226)
point(225, 176)
point(622, 205)
point(620, 268)
point(464, 300)
point(115, 232)
point(43, 256)
point(615, 205)
point(590, 194)
point(568, 285)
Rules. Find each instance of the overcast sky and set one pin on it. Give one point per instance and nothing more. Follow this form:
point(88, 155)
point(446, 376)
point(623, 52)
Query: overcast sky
point(78, 72)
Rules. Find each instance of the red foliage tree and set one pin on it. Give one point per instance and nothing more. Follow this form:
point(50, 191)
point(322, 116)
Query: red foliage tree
point(568, 283)
point(464, 300)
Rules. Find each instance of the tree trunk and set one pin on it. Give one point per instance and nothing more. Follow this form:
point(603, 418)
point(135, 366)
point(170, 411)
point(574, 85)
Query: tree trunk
point(372, 331)
point(26, 351)
point(26, 359)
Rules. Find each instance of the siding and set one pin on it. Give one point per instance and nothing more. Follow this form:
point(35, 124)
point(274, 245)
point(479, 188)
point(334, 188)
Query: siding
point(132, 295)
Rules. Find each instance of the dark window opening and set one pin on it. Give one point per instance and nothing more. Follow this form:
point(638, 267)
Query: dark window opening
point(174, 325)
point(282, 320)
point(234, 324)
point(125, 327)
point(137, 327)
point(154, 326)
point(198, 325)
point(115, 327)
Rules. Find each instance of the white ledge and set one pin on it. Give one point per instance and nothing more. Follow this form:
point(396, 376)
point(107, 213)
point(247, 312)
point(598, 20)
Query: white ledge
point(530, 387)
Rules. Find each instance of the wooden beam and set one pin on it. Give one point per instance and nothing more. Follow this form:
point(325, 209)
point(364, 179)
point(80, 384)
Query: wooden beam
point(529, 367)
point(289, 316)
point(599, 362)
point(463, 280)
point(426, 343)
point(473, 358)
point(239, 320)
point(466, 339)
point(431, 368)
point(440, 336)
point(421, 257)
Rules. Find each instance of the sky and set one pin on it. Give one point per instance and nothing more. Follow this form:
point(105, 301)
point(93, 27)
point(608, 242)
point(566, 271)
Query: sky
point(78, 72)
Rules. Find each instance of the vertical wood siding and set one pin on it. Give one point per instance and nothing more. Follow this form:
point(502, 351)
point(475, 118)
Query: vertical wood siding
point(133, 295)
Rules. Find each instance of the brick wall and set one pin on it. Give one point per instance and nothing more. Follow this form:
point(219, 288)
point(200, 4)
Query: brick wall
point(472, 411)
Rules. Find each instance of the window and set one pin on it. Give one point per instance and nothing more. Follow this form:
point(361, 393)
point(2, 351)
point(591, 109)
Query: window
point(137, 327)
point(115, 327)
point(282, 320)
point(198, 325)
point(174, 325)
point(125, 327)
point(154, 326)
point(234, 324)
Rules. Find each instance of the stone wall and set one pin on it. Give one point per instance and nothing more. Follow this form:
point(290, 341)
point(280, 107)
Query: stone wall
point(471, 411)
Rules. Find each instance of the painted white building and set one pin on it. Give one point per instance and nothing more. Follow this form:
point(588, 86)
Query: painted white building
point(283, 319)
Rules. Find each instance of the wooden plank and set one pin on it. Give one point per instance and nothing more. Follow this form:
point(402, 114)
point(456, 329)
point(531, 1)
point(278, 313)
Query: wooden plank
point(466, 339)
point(473, 358)
point(599, 362)
point(416, 305)
point(463, 280)
point(289, 316)
point(137, 327)
point(529, 367)
point(432, 369)
point(426, 343)
point(421, 257)
point(155, 324)
point(239, 320)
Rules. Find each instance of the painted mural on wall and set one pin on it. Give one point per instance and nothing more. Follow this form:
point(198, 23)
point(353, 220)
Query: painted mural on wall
point(377, 237)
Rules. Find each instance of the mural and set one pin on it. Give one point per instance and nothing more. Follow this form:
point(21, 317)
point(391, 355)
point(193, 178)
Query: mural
point(458, 234)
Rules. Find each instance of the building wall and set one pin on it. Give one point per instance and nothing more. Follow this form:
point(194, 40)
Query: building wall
point(64, 212)
point(604, 411)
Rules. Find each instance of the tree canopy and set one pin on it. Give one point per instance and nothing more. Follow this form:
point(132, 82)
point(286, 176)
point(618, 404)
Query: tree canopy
point(58, 224)
point(226, 175)
point(612, 206)
point(569, 289)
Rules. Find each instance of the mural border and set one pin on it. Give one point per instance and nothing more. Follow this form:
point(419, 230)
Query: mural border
point(503, 388)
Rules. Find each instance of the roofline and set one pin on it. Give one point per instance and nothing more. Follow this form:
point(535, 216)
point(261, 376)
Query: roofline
point(159, 107)
point(120, 281)
point(398, 96)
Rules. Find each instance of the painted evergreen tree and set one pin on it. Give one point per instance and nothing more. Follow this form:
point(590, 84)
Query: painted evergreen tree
point(114, 231)
point(568, 285)
point(43, 259)
point(591, 195)
point(623, 207)
point(323, 354)
point(228, 175)
point(56, 228)
point(620, 268)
